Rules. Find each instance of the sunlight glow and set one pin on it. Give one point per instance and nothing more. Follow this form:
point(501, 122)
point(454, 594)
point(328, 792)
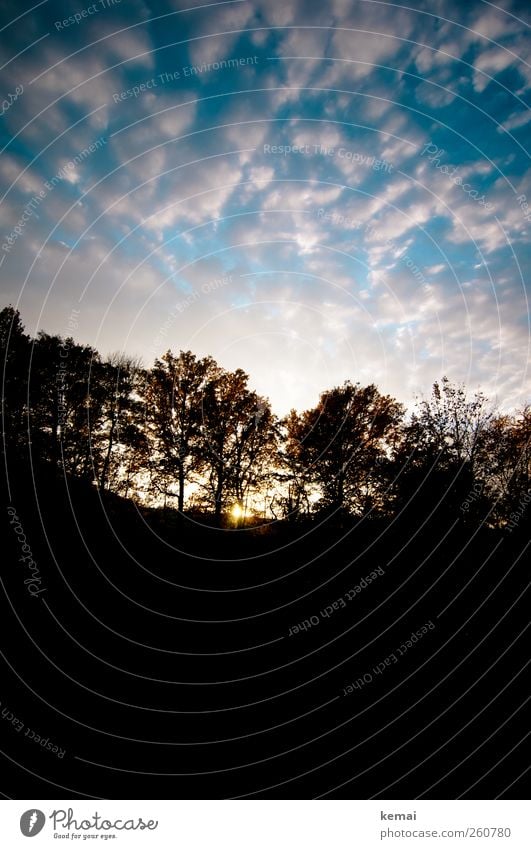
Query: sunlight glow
point(237, 512)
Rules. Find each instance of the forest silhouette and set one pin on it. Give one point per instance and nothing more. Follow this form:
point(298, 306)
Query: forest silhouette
point(188, 435)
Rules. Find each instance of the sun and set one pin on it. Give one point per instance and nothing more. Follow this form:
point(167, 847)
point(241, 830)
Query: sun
point(237, 512)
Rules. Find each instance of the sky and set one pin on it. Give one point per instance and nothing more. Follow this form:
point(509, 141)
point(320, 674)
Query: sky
point(310, 191)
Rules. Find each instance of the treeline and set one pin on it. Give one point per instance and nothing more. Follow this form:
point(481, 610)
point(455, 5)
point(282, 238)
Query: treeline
point(189, 434)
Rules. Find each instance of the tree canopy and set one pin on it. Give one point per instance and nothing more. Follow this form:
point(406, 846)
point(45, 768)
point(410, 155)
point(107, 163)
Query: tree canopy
point(190, 434)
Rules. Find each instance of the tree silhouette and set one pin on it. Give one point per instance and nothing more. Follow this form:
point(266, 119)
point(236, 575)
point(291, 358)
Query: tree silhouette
point(174, 391)
point(507, 462)
point(15, 349)
point(238, 439)
point(120, 382)
point(441, 458)
point(187, 428)
point(65, 405)
point(452, 424)
point(340, 441)
point(295, 480)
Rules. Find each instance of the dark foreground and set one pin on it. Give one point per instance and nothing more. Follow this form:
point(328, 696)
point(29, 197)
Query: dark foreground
point(153, 657)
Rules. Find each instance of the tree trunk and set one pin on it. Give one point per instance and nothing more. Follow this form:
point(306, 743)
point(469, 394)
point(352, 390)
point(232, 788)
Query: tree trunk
point(107, 459)
point(218, 497)
point(181, 488)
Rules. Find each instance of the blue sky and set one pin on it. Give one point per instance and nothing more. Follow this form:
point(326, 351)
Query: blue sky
point(314, 192)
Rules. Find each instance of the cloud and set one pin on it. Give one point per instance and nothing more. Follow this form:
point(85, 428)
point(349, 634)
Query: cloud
point(209, 44)
point(407, 278)
point(515, 121)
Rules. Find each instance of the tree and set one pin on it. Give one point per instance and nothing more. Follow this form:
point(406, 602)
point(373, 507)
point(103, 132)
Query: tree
point(452, 426)
point(119, 381)
point(339, 444)
point(174, 393)
point(15, 349)
point(507, 460)
point(441, 459)
point(239, 437)
point(294, 484)
point(65, 405)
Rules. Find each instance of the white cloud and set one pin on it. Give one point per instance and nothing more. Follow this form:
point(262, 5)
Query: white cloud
point(515, 120)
